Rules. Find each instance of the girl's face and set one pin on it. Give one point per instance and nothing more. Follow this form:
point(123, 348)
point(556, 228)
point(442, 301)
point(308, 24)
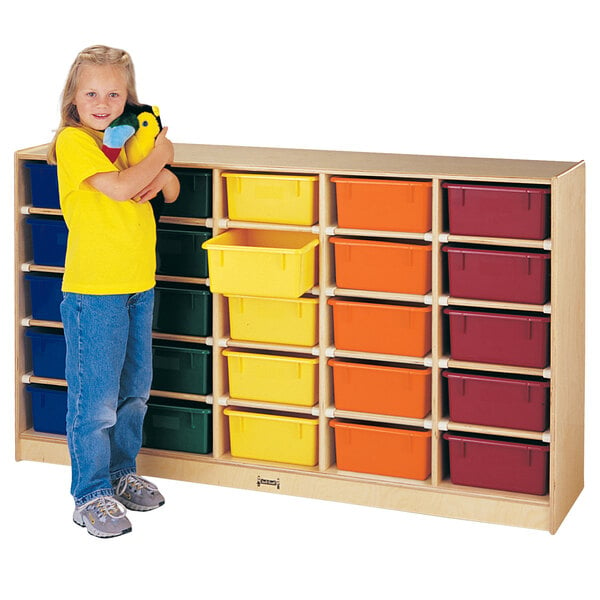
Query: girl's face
point(101, 95)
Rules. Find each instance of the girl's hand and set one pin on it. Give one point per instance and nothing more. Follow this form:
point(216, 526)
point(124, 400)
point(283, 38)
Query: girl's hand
point(166, 182)
point(164, 145)
point(171, 188)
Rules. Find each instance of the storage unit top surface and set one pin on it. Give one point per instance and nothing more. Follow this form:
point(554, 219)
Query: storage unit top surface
point(345, 162)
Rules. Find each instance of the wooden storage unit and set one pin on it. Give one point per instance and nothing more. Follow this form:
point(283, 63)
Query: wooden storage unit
point(435, 495)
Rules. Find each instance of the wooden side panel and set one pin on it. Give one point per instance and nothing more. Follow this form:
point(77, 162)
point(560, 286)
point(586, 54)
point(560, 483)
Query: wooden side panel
point(23, 254)
point(567, 342)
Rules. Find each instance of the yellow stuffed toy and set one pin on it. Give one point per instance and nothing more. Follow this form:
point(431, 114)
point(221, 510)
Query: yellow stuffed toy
point(135, 130)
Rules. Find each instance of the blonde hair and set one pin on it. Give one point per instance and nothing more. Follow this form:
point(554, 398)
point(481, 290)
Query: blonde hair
point(94, 55)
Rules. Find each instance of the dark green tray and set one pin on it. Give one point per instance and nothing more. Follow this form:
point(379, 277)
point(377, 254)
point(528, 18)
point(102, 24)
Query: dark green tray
point(181, 425)
point(179, 251)
point(179, 367)
point(195, 195)
point(182, 309)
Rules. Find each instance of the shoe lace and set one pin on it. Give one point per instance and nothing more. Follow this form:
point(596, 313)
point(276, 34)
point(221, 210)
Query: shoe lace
point(107, 507)
point(136, 483)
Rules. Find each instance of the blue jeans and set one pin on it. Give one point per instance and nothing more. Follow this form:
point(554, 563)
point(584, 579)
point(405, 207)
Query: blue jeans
point(109, 374)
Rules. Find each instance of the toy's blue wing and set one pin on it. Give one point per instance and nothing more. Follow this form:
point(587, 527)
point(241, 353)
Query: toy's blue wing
point(115, 137)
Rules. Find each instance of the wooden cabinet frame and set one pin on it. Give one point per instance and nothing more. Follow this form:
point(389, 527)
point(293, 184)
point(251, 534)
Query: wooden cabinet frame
point(437, 495)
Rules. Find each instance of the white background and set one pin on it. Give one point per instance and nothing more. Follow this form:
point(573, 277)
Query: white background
point(513, 79)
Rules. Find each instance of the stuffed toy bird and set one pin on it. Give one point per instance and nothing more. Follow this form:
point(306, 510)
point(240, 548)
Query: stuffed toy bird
point(135, 130)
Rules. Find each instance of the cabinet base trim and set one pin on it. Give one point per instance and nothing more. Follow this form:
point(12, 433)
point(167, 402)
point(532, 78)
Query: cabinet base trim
point(444, 501)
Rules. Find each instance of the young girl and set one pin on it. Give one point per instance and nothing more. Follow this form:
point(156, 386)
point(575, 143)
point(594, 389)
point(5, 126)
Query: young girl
point(108, 289)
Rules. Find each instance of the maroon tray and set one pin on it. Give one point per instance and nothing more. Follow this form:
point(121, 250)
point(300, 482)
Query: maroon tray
point(498, 464)
point(498, 401)
point(503, 275)
point(498, 211)
point(500, 338)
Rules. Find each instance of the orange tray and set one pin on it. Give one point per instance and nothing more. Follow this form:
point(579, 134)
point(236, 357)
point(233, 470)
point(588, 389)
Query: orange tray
point(389, 451)
point(383, 204)
point(381, 389)
point(382, 328)
point(382, 266)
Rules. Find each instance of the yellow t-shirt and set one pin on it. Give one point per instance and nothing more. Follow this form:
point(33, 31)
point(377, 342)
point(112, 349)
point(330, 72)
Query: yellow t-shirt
point(111, 244)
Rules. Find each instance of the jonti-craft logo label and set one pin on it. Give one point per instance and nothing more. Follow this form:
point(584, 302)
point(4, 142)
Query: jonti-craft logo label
point(261, 481)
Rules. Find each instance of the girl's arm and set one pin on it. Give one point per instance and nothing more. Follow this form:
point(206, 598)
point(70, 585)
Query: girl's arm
point(165, 182)
point(124, 185)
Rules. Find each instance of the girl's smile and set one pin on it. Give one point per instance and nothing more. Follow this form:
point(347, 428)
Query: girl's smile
point(101, 95)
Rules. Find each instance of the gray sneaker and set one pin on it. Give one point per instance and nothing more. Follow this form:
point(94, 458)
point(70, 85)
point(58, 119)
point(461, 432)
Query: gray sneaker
point(103, 517)
point(136, 493)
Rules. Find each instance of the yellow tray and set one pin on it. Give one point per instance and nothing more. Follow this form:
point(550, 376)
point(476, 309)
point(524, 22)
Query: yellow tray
point(250, 262)
point(289, 199)
point(274, 438)
point(292, 321)
point(272, 378)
